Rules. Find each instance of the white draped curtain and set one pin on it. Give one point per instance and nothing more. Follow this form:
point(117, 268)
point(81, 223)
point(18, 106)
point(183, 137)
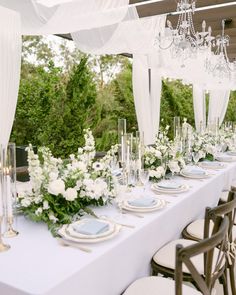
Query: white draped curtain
point(199, 106)
point(218, 104)
point(61, 17)
point(10, 60)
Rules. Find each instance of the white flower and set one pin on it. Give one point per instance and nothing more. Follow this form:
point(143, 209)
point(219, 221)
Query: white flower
point(52, 217)
point(39, 211)
point(158, 173)
point(174, 167)
point(97, 166)
point(56, 187)
point(80, 165)
point(45, 205)
point(70, 194)
point(78, 185)
point(53, 176)
point(26, 202)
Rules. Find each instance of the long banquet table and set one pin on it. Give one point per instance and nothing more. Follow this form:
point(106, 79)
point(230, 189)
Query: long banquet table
point(37, 264)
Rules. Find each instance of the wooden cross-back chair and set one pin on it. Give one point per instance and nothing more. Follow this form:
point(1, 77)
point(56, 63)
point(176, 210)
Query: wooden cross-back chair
point(194, 231)
point(185, 257)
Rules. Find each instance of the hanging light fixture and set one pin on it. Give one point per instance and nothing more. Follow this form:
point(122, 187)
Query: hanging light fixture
point(184, 40)
point(218, 62)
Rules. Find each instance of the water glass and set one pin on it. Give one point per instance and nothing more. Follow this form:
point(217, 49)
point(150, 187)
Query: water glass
point(144, 177)
point(196, 157)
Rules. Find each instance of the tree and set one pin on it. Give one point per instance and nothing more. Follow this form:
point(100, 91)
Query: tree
point(71, 112)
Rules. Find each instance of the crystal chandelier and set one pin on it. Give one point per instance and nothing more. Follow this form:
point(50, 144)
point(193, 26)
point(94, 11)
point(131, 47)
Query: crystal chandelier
point(218, 62)
point(184, 40)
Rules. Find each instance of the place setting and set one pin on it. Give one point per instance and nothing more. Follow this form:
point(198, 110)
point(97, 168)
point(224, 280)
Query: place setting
point(211, 165)
point(195, 172)
point(229, 156)
point(169, 187)
point(89, 231)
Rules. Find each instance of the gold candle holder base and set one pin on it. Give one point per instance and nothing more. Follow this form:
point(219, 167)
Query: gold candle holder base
point(10, 233)
point(4, 247)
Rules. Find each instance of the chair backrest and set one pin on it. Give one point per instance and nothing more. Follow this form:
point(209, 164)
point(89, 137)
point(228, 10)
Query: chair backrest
point(226, 209)
point(206, 246)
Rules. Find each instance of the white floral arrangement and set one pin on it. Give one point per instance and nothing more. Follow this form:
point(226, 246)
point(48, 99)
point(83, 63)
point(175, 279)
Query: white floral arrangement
point(163, 156)
point(61, 189)
point(209, 144)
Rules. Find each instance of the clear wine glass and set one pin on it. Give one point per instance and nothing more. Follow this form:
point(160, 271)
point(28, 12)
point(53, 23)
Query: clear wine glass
point(196, 157)
point(144, 177)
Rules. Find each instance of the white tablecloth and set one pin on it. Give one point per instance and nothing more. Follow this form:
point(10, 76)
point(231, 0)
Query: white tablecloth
point(37, 264)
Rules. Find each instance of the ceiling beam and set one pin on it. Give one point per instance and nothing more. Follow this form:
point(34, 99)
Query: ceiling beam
point(169, 6)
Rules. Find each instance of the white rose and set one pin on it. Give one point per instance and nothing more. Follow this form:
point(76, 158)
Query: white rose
point(56, 187)
point(70, 194)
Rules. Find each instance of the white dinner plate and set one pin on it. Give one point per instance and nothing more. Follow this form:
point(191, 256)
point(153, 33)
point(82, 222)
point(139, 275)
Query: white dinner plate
point(158, 205)
point(156, 188)
point(70, 230)
point(65, 235)
point(226, 158)
point(195, 176)
point(212, 165)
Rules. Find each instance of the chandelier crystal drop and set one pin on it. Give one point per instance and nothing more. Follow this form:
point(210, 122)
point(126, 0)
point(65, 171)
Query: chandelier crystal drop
point(218, 62)
point(184, 40)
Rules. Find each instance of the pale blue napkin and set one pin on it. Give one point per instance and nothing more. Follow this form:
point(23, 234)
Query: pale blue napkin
point(169, 185)
point(91, 227)
point(142, 202)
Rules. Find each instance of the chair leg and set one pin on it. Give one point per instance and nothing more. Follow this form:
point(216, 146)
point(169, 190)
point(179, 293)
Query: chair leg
point(223, 281)
point(232, 279)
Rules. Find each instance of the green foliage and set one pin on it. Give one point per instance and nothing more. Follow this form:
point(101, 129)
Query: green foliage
point(176, 100)
point(55, 104)
point(231, 111)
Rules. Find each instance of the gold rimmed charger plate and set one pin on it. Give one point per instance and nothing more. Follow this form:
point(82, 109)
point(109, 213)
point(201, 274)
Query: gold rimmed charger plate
point(182, 189)
point(65, 235)
point(159, 205)
point(208, 165)
point(196, 176)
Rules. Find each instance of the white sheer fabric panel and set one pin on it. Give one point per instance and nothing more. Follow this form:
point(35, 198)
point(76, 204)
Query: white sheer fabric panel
point(199, 106)
point(71, 16)
point(218, 104)
point(10, 60)
point(142, 96)
point(147, 95)
point(132, 35)
point(155, 93)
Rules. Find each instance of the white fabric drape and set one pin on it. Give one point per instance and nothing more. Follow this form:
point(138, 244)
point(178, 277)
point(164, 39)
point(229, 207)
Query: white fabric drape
point(147, 95)
point(199, 105)
point(10, 60)
point(218, 104)
point(66, 17)
point(133, 35)
point(142, 96)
